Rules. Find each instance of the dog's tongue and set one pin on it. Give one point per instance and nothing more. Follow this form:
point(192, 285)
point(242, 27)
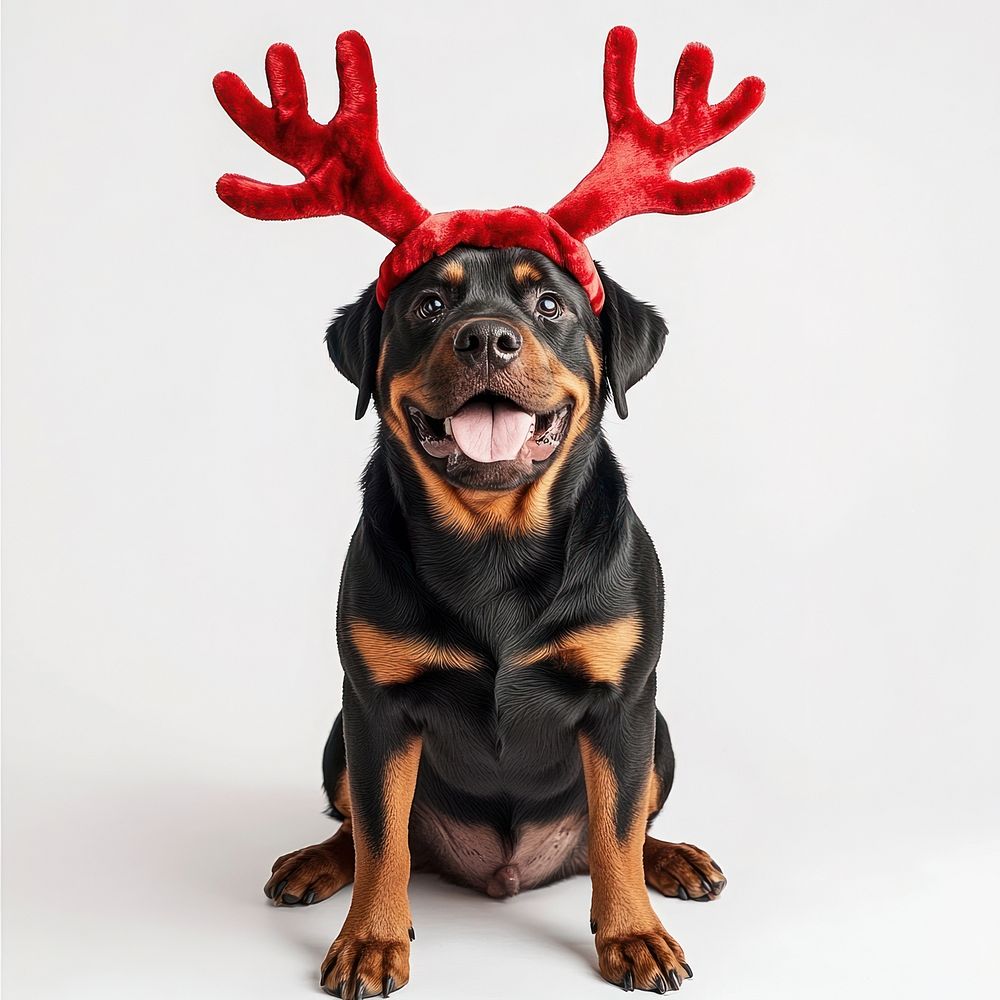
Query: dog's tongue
point(491, 431)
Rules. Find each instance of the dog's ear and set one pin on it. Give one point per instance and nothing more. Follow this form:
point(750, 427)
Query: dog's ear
point(632, 333)
point(353, 341)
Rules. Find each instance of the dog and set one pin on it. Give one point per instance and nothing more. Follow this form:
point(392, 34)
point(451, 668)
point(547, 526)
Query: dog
point(499, 623)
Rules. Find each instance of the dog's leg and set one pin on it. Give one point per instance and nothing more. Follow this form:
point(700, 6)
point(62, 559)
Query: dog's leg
point(314, 873)
point(679, 870)
point(633, 949)
point(371, 955)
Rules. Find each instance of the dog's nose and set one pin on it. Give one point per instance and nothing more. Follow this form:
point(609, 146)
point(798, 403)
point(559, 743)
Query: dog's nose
point(487, 342)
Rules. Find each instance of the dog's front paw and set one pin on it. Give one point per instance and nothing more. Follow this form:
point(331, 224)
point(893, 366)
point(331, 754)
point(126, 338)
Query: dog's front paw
point(357, 967)
point(681, 870)
point(645, 960)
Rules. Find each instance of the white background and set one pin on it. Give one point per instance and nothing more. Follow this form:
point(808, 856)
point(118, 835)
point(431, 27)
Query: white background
point(815, 457)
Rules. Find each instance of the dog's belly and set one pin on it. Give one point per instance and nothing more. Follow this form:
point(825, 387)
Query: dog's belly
point(500, 864)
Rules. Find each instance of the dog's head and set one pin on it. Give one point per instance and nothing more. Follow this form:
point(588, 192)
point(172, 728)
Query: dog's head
point(489, 366)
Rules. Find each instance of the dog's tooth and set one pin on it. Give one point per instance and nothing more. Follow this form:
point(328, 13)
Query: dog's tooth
point(447, 426)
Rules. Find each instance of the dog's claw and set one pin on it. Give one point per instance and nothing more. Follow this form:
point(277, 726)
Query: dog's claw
point(413, 937)
point(388, 985)
point(628, 983)
point(682, 892)
point(278, 890)
point(593, 926)
point(660, 984)
point(309, 898)
point(687, 969)
point(675, 980)
point(325, 969)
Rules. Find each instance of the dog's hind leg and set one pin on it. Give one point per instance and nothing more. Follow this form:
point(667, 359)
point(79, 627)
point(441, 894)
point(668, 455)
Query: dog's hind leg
point(679, 870)
point(315, 873)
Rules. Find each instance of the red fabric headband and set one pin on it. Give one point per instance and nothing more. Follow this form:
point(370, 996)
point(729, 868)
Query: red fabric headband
point(345, 172)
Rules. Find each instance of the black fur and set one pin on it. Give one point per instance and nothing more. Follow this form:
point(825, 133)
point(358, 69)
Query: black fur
point(633, 334)
point(500, 743)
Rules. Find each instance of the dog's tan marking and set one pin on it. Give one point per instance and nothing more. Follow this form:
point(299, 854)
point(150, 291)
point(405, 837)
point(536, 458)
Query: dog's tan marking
point(398, 659)
point(321, 869)
point(525, 272)
point(681, 870)
point(374, 941)
point(453, 273)
point(655, 797)
point(616, 870)
point(342, 795)
point(595, 360)
point(629, 935)
point(599, 652)
point(521, 511)
point(474, 513)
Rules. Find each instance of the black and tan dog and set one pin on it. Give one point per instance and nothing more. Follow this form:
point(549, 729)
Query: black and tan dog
point(499, 623)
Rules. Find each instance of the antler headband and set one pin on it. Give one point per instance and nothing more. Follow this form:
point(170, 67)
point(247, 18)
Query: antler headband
point(345, 172)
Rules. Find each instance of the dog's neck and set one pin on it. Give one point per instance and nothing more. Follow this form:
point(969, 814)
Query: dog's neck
point(511, 539)
point(495, 583)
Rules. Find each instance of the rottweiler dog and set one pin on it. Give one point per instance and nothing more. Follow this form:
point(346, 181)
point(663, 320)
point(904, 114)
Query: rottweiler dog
point(499, 623)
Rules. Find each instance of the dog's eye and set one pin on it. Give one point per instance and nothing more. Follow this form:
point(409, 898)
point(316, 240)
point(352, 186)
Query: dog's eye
point(430, 306)
point(548, 306)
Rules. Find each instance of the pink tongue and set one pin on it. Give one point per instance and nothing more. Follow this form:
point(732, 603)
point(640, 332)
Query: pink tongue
point(491, 432)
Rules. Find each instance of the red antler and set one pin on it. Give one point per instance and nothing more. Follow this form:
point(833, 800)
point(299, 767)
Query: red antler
point(342, 162)
point(633, 175)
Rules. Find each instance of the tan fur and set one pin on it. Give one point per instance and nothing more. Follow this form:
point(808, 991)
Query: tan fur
point(599, 652)
point(681, 870)
point(471, 512)
point(342, 795)
point(374, 941)
point(525, 272)
point(321, 869)
point(654, 797)
point(629, 936)
point(399, 659)
point(615, 866)
point(453, 273)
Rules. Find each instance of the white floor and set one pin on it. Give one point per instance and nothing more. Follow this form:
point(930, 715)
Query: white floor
point(150, 886)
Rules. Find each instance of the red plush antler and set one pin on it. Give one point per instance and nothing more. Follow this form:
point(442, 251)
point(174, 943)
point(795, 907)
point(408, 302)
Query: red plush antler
point(346, 174)
point(342, 162)
point(633, 175)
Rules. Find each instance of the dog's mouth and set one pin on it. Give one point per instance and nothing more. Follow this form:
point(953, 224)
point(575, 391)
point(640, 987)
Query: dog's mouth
point(489, 429)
